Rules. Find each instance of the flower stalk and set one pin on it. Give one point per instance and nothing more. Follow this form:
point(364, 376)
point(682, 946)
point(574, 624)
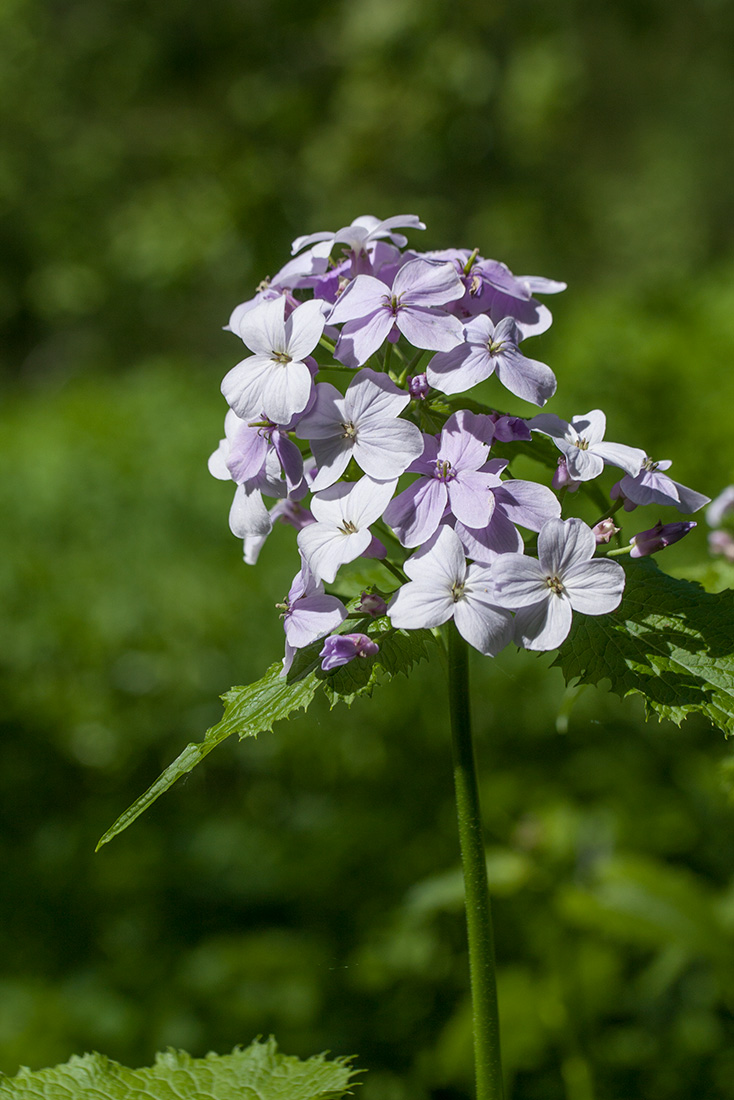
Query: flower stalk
point(487, 1056)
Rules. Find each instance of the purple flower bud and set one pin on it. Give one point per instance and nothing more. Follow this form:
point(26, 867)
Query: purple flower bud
point(604, 530)
point(372, 604)
point(562, 479)
point(418, 386)
point(658, 537)
point(340, 649)
point(509, 429)
point(722, 542)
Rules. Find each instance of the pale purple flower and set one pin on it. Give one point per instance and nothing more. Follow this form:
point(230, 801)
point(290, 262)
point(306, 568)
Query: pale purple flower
point(275, 380)
point(242, 453)
point(581, 443)
point(358, 236)
point(510, 429)
point(492, 289)
point(490, 349)
point(515, 502)
point(340, 649)
point(364, 425)
point(443, 587)
point(374, 312)
point(658, 537)
point(343, 515)
point(652, 486)
point(285, 511)
point(545, 592)
point(451, 477)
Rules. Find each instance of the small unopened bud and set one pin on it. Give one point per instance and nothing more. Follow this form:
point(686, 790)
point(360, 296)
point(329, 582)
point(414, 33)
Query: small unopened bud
point(562, 479)
point(418, 386)
point(604, 530)
point(658, 537)
point(510, 429)
point(372, 604)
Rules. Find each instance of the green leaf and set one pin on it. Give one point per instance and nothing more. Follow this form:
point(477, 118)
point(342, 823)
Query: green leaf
point(669, 641)
point(255, 709)
point(257, 1073)
point(248, 711)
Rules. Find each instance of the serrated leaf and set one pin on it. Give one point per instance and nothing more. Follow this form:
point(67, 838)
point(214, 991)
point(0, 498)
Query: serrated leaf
point(669, 641)
point(248, 711)
point(399, 651)
point(258, 1072)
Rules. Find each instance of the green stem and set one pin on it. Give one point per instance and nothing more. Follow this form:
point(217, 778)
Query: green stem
point(487, 1058)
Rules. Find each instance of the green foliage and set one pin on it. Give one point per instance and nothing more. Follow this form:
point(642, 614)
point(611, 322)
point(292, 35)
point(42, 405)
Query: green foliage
point(669, 641)
point(257, 1072)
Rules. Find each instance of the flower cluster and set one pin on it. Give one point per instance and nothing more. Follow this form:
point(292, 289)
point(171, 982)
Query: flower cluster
point(397, 466)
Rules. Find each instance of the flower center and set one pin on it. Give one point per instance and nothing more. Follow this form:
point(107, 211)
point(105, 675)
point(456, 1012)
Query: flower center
point(281, 357)
point(347, 528)
point(392, 301)
point(457, 591)
point(648, 464)
point(555, 584)
point(350, 430)
point(495, 348)
point(444, 470)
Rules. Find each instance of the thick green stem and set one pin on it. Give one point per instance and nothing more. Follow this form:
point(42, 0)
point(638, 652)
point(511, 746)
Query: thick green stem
point(487, 1058)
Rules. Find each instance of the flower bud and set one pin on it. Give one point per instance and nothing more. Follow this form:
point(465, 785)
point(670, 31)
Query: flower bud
point(372, 604)
point(340, 649)
point(418, 386)
point(604, 530)
point(658, 537)
point(562, 479)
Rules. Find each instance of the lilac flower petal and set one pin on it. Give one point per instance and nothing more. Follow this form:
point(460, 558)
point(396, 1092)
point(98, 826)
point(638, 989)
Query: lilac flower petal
point(387, 451)
point(543, 625)
point(459, 369)
point(582, 465)
point(313, 617)
point(488, 629)
point(591, 426)
point(564, 543)
point(326, 549)
point(374, 395)
point(286, 391)
point(325, 415)
point(527, 378)
point(518, 581)
point(629, 459)
point(459, 445)
point(248, 516)
point(416, 512)
point(418, 606)
point(263, 328)
point(332, 456)
point(500, 536)
point(360, 339)
point(362, 297)
point(471, 499)
point(440, 561)
point(217, 462)
point(526, 503)
point(596, 587)
point(243, 385)
point(423, 283)
point(368, 499)
point(303, 330)
point(290, 458)
point(429, 329)
point(247, 454)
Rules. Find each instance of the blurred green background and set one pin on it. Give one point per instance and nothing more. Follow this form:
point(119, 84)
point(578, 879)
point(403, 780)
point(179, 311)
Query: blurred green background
point(157, 160)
